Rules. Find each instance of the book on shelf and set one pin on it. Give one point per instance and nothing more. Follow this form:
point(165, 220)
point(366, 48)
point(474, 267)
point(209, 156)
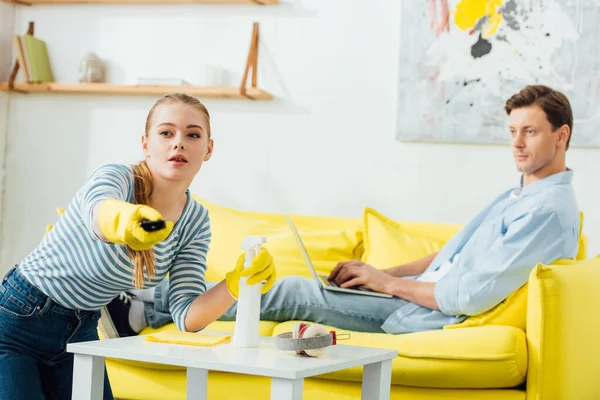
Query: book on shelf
point(32, 56)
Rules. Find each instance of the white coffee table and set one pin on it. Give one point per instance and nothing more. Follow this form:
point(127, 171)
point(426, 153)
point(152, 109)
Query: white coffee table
point(286, 369)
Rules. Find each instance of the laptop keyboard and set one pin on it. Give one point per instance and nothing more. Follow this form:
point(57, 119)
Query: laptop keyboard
point(358, 287)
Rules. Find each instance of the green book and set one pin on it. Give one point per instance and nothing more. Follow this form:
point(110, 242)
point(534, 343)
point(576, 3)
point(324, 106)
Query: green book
point(37, 56)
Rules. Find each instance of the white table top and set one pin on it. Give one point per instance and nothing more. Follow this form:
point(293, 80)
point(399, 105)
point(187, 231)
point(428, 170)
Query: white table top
point(265, 360)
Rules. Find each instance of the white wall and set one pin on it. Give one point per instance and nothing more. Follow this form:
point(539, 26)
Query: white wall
point(6, 31)
point(325, 146)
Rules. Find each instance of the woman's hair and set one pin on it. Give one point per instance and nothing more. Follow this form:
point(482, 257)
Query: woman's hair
point(142, 189)
point(178, 98)
point(144, 185)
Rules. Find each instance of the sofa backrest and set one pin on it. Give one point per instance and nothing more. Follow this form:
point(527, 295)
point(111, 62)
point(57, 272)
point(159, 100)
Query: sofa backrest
point(328, 239)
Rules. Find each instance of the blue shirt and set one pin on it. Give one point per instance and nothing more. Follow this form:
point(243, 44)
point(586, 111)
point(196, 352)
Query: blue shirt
point(498, 250)
point(77, 270)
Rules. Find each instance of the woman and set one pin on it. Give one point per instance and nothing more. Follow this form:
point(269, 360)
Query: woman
point(111, 239)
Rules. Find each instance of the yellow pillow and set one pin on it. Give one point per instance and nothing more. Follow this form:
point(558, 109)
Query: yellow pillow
point(388, 243)
point(511, 312)
point(328, 240)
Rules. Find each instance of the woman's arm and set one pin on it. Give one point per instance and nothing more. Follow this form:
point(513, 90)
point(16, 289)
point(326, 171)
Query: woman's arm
point(95, 224)
point(207, 307)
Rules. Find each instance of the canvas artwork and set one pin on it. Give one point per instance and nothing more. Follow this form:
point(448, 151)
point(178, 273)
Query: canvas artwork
point(460, 60)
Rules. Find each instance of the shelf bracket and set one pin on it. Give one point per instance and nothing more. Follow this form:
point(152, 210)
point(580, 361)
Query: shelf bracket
point(15, 70)
point(252, 61)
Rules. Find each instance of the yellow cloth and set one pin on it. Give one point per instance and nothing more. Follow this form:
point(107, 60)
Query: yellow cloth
point(188, 338)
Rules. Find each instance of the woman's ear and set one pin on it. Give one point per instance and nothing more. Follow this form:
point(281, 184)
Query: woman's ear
point(145, 146)
point(209, 150)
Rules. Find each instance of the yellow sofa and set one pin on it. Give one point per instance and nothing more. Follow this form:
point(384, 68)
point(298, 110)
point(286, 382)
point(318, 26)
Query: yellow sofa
point(534, 345)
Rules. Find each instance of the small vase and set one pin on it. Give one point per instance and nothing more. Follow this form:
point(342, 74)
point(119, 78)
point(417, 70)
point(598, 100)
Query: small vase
point(91, 69)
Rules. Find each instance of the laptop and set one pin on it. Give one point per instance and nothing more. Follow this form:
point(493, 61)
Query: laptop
point(322, 280)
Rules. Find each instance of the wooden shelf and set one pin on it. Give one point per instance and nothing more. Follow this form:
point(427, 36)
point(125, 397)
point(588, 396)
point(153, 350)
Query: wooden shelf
point(143, 90)
point(112, 2)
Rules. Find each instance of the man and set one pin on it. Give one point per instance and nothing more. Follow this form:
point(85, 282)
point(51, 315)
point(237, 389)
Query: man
point(479, 267)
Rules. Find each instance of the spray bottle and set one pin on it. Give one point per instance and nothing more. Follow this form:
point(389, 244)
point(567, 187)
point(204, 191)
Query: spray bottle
point(248, 306)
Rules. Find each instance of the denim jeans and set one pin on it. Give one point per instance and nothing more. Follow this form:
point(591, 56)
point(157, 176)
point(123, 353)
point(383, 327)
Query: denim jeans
point(34, 332)
point(296, 298)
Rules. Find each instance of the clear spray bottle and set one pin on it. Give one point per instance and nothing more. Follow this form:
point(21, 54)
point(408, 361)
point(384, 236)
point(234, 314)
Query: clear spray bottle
point(247, 318)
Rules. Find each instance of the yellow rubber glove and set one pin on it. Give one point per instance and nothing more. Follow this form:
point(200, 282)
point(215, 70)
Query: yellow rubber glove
point(262, 268)
point(119, 222)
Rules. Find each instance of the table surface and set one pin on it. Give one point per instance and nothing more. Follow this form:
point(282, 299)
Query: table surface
point(265, 360)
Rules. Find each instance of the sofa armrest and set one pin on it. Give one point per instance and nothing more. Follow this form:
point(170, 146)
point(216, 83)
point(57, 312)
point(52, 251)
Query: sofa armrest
point(563, 331)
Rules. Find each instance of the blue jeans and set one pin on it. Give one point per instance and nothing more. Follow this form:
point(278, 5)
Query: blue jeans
point(34, 332)
point(296, 298)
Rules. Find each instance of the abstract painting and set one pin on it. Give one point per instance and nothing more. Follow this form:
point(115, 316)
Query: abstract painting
point(460, 60)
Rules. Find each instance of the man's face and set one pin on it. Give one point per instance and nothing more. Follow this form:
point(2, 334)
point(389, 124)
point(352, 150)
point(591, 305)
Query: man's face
point(533, 140)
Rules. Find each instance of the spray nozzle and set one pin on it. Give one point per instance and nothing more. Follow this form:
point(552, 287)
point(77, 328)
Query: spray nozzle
point(253, 243)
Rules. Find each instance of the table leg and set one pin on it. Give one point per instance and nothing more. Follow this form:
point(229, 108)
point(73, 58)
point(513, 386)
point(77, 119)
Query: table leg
point(88, 377)
point(377, 380)
point(286, 389)
point(197, 383)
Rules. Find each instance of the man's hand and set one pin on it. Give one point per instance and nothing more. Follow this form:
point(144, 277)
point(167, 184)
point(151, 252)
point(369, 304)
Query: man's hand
point(356, 273)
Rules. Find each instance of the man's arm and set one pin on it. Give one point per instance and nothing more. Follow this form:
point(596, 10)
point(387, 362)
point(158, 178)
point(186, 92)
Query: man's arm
point(356, 273)
point(413, 268)
point(421, 293)
point(535, 237)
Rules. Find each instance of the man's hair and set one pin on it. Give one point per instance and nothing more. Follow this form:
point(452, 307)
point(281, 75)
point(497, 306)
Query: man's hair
point(555, 105)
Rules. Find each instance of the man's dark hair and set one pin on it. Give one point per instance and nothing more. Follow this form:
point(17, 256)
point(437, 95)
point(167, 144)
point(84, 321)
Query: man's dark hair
point(555, 105)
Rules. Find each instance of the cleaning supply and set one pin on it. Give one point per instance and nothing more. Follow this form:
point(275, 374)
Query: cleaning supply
point(188, 338)
point(119, 222)
point(248, 308)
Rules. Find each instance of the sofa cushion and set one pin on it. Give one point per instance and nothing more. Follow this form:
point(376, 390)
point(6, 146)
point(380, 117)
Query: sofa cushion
point(328, 240)
point(134, 383)
point(388, 243)
point(478, 357)
point(562, 331)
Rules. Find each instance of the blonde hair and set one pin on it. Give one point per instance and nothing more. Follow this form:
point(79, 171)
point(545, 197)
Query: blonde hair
point(144, 185)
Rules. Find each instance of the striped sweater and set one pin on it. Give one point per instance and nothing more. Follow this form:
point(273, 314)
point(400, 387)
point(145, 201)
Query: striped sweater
point(77, 270)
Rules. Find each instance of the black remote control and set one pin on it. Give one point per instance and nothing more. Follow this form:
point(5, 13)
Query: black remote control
point(151, 226)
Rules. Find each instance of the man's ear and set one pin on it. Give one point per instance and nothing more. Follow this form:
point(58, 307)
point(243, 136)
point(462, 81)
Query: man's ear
point(564, 133)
